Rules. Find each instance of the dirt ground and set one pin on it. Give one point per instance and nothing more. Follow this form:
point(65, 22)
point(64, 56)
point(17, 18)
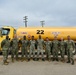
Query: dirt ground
point(37, 68)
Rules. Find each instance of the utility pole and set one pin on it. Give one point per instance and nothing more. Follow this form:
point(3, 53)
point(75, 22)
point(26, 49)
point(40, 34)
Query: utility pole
point(42, 23)
point(25, 20)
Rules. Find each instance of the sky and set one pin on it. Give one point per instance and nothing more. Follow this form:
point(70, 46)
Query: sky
point(55, 13)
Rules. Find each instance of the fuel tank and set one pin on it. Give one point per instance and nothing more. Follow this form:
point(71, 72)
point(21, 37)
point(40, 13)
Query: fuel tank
point(49, 32)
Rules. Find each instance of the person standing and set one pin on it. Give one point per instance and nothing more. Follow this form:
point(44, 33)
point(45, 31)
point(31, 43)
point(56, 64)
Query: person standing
point(55, 48)
point(5, 47)
point(70, 47)
point(62, 48)
point(14, 45)
point(48, 46)
point(40, 44)
point(32, 43)
point(24, 48)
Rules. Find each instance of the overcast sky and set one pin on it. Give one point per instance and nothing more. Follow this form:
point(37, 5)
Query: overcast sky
point(53, 12)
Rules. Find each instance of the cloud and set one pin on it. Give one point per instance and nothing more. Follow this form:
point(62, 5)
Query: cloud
point(53, 12)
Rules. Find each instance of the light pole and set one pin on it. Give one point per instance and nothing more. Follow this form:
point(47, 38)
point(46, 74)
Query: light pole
point(42, 23)
point(25, 20)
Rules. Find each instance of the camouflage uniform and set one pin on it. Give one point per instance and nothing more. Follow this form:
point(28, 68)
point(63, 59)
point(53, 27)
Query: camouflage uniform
point(48, 46)
point(24, 48)
point(5, 47)
point(32, 48)
point(70, 47)
point(14, 50)
point(62, 49)
point(55, 49)
point(40, 44)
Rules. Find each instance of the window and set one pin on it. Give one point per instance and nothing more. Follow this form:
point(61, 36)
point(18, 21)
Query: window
point(5, 31)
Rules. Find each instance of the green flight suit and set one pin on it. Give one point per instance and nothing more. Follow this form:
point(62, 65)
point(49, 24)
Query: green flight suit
point(55, 49)
point(14, 50)
point(32, 48)
point(40, 44)
point(70, 47)
point(48, 46)
point(5, 47)
point(24, 49)
point(62, 49)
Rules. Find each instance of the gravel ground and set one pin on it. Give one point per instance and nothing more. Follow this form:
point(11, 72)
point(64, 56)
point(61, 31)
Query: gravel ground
point(37, 68)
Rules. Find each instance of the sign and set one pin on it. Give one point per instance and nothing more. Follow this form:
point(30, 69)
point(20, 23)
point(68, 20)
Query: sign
point(55, 33)
point(23, 32)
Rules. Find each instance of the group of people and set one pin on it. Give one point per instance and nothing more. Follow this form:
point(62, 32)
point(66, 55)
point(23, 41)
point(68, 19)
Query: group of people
point(28, 48)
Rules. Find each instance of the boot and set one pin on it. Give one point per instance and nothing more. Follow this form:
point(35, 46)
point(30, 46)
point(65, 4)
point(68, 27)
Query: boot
point(63, 60)
point(37, 59)
point(57, 59)
point(46, 57)
point(43, 59)
point(5, 63)
point(68, 61)
point(33, 59)
point(13, 60)
point(53, 59)
point(72, 62)
point(28, 59)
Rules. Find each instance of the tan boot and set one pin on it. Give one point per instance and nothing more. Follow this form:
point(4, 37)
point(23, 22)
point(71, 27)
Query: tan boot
point(5, 63)
point(13, 60)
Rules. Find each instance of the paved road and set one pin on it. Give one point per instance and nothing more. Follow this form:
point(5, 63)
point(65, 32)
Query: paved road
point(37, 68)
